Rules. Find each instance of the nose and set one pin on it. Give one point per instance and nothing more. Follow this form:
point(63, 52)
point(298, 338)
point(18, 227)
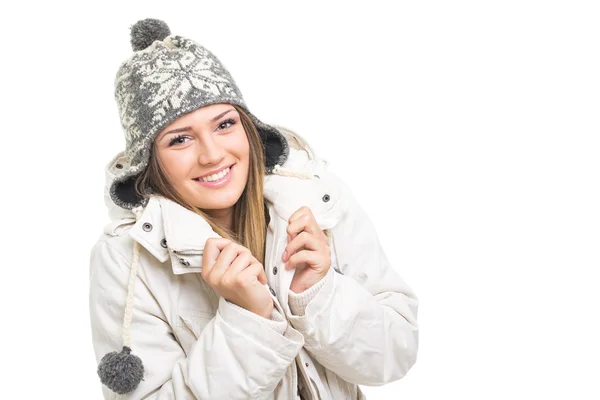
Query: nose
point(210, 152)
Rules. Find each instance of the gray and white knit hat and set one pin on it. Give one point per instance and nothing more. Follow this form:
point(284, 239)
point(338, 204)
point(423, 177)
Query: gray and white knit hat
point(166, 77)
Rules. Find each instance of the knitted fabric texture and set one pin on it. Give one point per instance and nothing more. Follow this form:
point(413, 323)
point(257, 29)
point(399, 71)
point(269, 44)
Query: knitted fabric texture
point(166, 77)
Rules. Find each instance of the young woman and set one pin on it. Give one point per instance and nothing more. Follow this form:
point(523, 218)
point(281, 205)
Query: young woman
point(235, 265)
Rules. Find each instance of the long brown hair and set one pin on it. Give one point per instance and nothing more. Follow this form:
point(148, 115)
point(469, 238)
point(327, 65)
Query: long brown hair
point(249, 211)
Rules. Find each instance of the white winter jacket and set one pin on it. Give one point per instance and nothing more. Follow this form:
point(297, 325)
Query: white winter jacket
point(358, 326)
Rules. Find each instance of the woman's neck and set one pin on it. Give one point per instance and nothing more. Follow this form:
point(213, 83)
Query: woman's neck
point(224, 217)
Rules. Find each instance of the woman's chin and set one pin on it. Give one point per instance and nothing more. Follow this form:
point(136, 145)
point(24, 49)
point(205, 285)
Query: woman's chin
point(218, 201)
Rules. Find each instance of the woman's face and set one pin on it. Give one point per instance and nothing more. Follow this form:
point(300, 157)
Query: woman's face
point(200, 142)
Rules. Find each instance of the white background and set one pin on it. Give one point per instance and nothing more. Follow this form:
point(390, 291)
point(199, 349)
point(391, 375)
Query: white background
point(469, 131)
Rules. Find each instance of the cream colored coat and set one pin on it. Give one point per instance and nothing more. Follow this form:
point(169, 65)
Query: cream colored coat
point(357, 326)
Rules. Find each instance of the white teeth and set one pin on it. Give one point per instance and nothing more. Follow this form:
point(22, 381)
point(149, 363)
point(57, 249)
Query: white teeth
point(216, 177)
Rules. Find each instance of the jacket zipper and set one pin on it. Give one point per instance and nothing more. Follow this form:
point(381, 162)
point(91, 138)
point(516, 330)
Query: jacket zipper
point(189, 252)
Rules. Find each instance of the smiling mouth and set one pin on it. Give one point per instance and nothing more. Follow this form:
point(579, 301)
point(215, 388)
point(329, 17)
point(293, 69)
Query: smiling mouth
point(216, 177)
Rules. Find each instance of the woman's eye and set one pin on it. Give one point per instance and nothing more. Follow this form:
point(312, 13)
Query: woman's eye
point(182, 138)
point(178, 140)
point(226, 124)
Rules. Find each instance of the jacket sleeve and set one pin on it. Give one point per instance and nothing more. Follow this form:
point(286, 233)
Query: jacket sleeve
point(238, 355)
point(360, 323)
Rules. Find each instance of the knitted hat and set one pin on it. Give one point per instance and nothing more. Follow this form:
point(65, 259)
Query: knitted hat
point(166, 77)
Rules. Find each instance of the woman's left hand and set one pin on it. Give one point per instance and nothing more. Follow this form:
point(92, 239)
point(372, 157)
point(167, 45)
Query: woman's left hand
point(307, 250)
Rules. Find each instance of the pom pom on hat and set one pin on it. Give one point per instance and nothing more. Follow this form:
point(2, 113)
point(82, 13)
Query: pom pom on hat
point(121, 372)
point(146, 31)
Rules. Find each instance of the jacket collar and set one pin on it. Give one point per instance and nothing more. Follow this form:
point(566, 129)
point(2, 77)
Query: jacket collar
point(165, 225)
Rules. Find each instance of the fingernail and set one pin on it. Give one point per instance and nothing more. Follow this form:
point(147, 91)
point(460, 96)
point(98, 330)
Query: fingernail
point(284, 255)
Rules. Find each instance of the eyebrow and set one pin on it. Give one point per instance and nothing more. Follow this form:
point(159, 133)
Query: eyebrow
point(189, 128)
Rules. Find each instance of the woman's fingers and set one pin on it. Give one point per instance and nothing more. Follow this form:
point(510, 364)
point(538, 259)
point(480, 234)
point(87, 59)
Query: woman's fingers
point(302, 240)
point(262, 275)
point(233, 272)
point(255, 270)
point(228, 253)
point(223, 260)
point(303, 220)
point(212, 250)
point(304, 256)
point(300, 221)
point(241, 262)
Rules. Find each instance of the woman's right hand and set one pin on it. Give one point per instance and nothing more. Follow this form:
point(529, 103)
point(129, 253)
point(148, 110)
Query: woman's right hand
point(233, 272)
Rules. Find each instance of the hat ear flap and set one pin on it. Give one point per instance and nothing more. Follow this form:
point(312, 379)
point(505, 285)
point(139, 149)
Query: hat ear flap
point(123, 194)
point(276, 146)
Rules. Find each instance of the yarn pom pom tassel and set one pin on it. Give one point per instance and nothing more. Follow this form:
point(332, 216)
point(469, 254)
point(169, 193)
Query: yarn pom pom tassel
point(121, 372)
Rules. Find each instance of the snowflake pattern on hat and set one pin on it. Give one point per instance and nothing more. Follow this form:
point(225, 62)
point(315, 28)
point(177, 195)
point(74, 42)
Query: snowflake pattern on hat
point(166, 79)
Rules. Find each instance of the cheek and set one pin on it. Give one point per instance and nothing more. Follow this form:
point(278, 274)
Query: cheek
point(176, 164)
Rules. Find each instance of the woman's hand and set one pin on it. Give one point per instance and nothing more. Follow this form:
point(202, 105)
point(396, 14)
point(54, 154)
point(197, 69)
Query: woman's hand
point(307, 250)
point(233, 272)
